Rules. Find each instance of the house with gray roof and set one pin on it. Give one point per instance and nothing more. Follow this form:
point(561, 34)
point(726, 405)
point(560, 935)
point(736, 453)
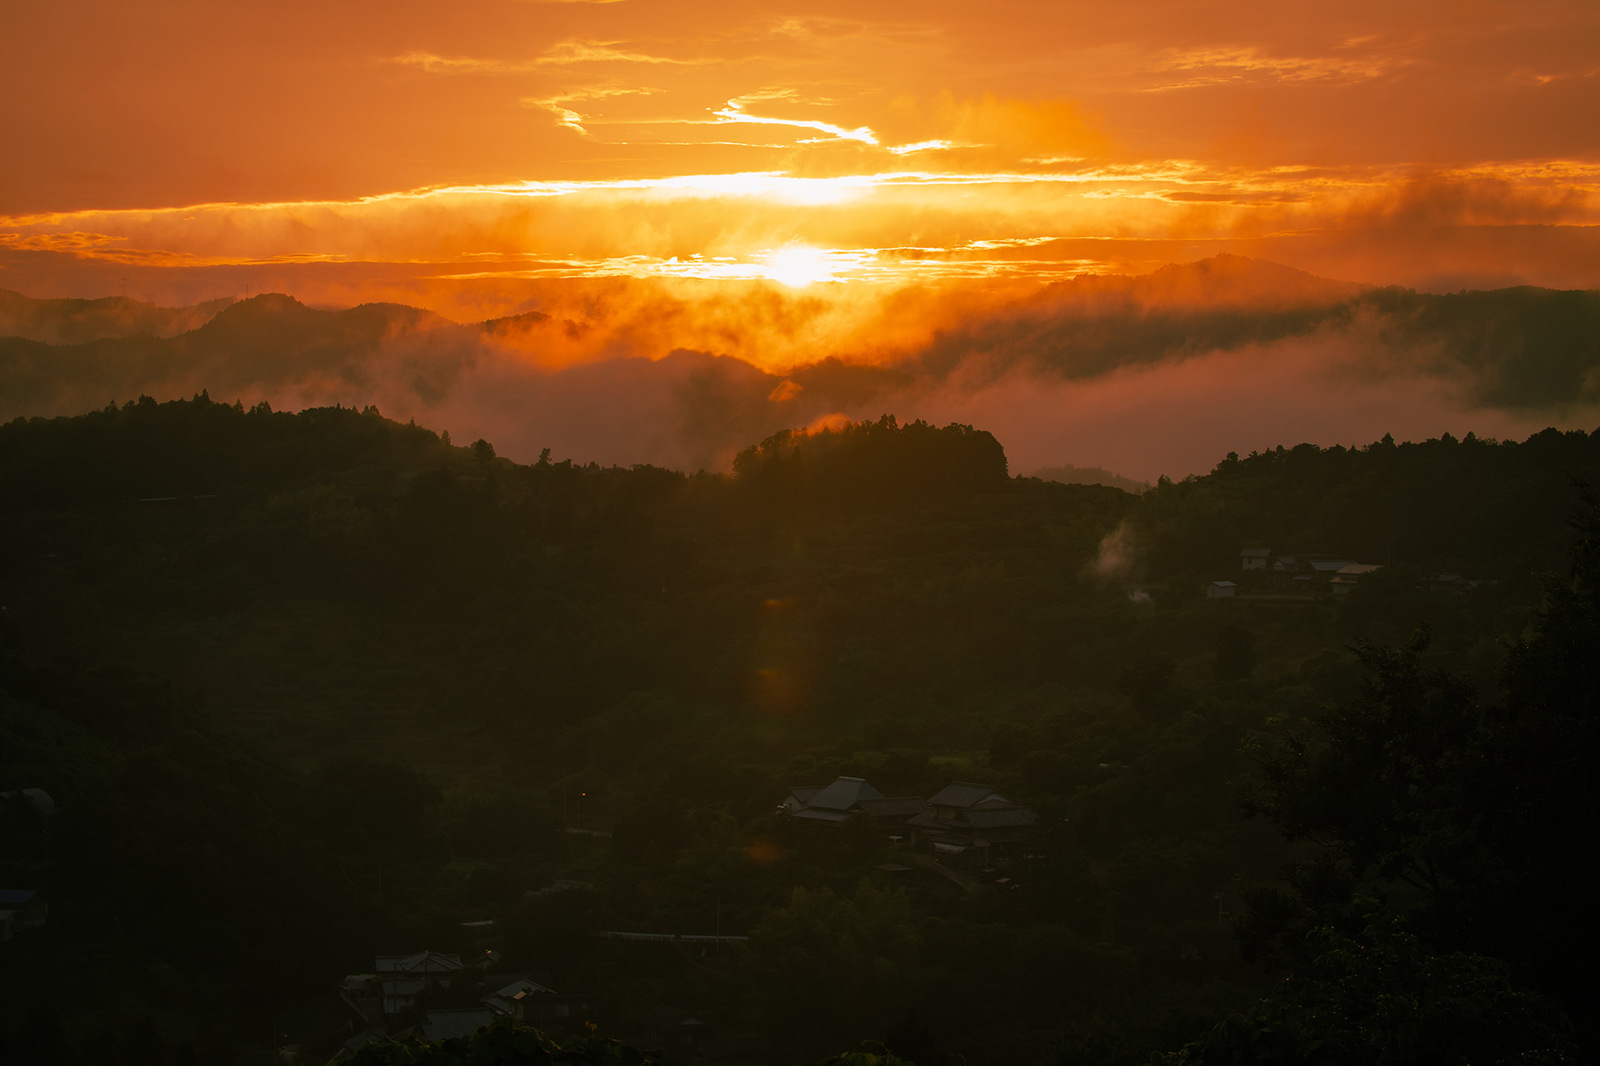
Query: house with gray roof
point(21, 908)
point(845, 797)
point(1347, 578)
point(966, 815)
point(963, 815)
point(403, 978)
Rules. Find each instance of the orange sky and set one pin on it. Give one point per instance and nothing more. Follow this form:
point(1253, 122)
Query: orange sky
point(492, 156)
point(1423, 143)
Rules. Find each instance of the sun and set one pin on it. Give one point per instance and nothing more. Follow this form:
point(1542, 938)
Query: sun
point(798, 265)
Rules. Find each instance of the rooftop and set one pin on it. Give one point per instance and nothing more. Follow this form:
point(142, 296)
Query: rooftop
point(963, 794)
point(844, 794)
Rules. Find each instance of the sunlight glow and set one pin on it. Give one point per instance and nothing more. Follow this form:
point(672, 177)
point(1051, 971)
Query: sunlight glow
point(799, 265)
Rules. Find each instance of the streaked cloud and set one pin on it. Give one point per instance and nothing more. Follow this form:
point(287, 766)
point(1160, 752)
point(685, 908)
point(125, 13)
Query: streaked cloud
point(734, 112)
point(561, 54)
point(1219, 66)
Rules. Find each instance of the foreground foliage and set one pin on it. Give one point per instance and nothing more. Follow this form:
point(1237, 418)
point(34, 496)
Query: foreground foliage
point(310, 687)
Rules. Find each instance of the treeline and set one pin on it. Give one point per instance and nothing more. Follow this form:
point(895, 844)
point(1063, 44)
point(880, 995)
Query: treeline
point(1482, 506)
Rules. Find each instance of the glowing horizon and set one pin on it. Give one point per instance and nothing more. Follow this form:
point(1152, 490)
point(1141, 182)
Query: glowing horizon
point(785, 186)
point(1380, 146)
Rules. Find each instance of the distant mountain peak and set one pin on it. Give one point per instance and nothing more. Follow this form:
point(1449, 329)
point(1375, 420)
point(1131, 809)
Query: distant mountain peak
point(1223, 280)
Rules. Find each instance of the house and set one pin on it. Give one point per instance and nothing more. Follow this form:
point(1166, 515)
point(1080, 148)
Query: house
point(1254, 558)
point(895, 809)
point(529, 1001)
point(362, 994)
point(1349, 577)
point(510, 993)
point(1220, 589)
point(961, 816)
point(36, 799)
point(20, 909)
point(403, 977)
point(845, 797)
point(1304, 572)
point(966, 815)
point(829, 803)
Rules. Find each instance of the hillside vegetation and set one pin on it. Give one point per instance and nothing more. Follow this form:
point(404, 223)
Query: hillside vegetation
point(306, 687)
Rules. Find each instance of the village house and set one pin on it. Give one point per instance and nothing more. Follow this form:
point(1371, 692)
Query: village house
point(845, 797)
point(37, 800)
point(402, 983)
point(1254, 558)
point(529, 1001)
point(1303, 572)
point(402, 978)
point(963, 816)
point(1349, 577)
point(969, 816)
point(21, 908)
point(1306, 570)
point(1220, 589)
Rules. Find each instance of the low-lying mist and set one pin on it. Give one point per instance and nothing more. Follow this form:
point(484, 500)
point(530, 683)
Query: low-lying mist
point(1145, 376)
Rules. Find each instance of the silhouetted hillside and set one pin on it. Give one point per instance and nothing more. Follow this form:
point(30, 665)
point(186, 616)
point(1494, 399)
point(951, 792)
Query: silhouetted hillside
point(80, 321)
point(312, 686)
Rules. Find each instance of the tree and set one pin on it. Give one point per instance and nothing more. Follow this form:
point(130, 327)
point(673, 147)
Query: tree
point(1481, 811)
point(502, 1044)
point(1386, 997)
point(835, 967)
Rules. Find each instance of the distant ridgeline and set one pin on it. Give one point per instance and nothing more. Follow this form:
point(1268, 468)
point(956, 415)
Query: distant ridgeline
point(1090, 475)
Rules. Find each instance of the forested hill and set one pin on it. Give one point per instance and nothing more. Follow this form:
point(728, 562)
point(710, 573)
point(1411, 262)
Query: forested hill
point(1489, 507)
point(350, 679)
point(1481, 505)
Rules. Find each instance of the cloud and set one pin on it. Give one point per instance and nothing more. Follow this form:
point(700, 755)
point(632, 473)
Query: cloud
point(735, 113)
point(1147, 375)
point(1228, 65)
point(1528, 352)
point(1469, 198)
point(566, 116)
point(566, 53)
point(561, 54)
